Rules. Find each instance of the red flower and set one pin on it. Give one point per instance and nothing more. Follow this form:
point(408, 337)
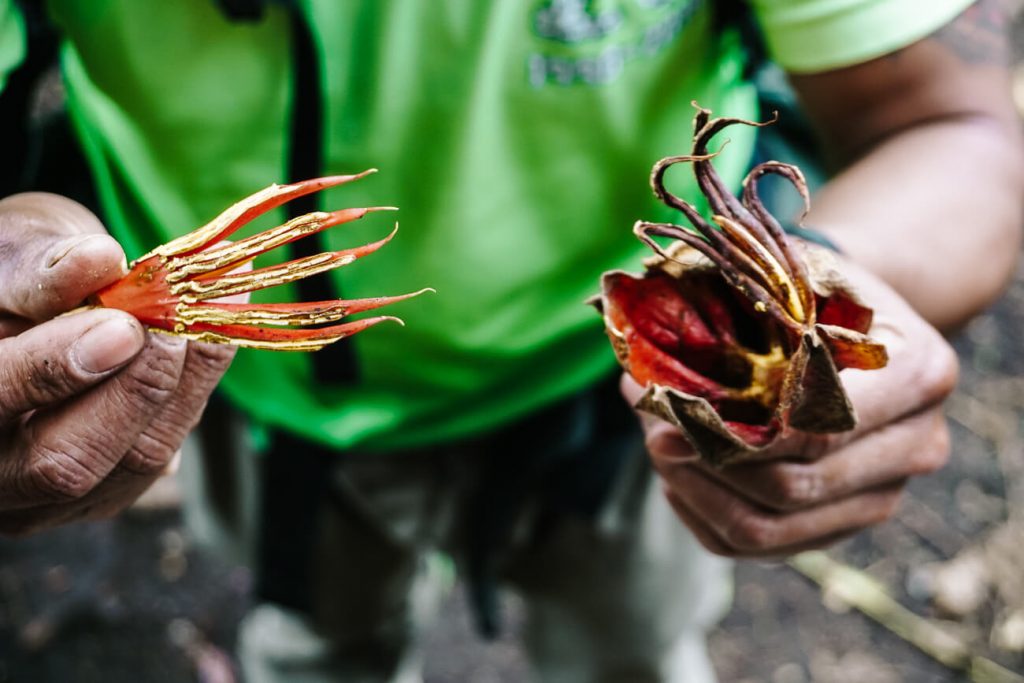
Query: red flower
point(174, 288)
point(735, 331)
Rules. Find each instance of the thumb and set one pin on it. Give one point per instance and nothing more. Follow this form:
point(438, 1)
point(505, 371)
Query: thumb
point(55, 253)
point(56, 360)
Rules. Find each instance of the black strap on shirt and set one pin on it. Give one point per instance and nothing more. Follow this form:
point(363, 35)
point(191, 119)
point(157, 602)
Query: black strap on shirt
point(336, 363)
point(21, 145)
point(737, 15)
point(296, 472)
point(242, 10)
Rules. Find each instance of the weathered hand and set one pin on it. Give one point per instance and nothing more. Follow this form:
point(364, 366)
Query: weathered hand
point(92, 408)
point(810, 490)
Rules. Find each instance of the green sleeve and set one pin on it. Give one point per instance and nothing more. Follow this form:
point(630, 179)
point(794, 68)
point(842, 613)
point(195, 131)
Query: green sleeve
point(807, 36)
point(12, 39)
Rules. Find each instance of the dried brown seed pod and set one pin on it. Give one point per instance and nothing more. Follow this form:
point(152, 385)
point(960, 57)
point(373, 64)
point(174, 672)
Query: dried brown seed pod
point(736, 331)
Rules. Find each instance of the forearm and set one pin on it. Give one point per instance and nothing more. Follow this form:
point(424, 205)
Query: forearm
point(936, 211)
point(930, 189)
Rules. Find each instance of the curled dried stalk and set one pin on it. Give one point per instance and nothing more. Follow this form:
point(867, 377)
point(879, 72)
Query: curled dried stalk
point(736, 331)
point(176, 288)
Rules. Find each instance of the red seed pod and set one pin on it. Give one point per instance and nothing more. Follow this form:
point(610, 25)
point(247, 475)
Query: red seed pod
point(175, 289)
point(735, 331)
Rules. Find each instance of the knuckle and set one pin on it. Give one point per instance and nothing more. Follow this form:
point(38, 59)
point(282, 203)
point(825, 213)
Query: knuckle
point(942, 445)
point(895, 500)
point(149, 458)
point(31, 377)
point(155, 448)
point(58, 475)
point(663, 466)
point(658, 442)
point(152, 378)
point(749, 531)
point(934, 451)
point(808, 446)
point(794, 486)
point(939, 374)
point(667, 471)
point(717, 549)
point(212, 359)
point(667, 447)
point(48, 380)
point(887, 507)
point(9, 249)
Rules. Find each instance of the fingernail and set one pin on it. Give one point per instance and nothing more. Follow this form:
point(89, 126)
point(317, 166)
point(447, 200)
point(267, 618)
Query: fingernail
point(106, 346)
point(65, 247)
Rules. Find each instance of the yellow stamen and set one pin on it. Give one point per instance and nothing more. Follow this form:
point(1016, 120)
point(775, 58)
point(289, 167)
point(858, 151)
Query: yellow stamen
point(192, 291)
point(776, 272)
point(244, 250)
point(215, 316)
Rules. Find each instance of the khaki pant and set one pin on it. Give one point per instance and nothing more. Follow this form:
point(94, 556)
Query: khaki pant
point(625, 595)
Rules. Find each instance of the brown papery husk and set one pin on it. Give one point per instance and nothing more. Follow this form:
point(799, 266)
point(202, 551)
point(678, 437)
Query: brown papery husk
point(736, 331)
point(810, 395)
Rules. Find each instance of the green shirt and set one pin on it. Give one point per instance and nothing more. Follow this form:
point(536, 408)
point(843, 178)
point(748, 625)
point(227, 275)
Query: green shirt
point(12, 40)
point(516, 137)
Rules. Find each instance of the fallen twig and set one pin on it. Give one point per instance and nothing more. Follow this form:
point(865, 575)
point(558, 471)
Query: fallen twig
point(863, 593)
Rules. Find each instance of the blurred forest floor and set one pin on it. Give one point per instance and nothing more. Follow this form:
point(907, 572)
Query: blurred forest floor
point(131, 601)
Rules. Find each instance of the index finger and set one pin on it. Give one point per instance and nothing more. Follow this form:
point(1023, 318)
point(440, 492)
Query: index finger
point(53, 254)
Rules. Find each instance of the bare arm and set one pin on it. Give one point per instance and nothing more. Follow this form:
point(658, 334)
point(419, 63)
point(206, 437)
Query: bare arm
point(932, 188)
point(928, 208)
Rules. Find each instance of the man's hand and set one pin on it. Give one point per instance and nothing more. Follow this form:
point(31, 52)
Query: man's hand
point(810, 490)
point(92, 409)
point(945, 234)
